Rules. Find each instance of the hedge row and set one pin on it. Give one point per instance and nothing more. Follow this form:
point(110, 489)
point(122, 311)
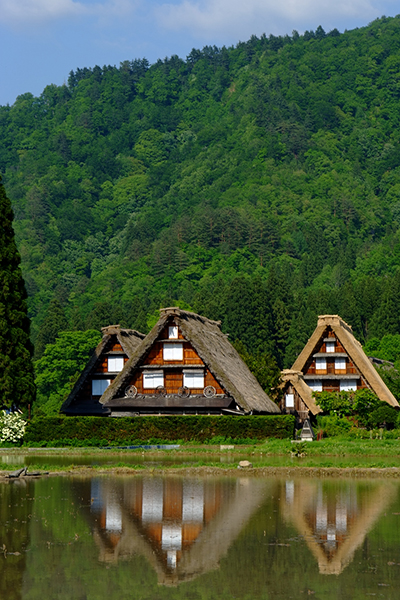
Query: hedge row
point(170, 428)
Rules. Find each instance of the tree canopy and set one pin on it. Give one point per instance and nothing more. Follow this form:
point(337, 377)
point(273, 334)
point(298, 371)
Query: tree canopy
point(260, 184)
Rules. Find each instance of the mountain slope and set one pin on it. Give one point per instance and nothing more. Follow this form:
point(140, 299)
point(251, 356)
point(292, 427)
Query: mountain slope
point(258, 184)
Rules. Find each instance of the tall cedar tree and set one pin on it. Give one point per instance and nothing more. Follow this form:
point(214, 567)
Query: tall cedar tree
point(16, 369)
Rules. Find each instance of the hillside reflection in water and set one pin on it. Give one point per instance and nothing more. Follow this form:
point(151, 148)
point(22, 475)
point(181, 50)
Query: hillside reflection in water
point(174, 537)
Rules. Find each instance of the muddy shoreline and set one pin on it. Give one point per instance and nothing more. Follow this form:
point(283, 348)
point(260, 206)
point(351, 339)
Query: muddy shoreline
point(320, 472)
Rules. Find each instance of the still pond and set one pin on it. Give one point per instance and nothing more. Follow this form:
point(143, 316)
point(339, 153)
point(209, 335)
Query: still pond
point(192, 538)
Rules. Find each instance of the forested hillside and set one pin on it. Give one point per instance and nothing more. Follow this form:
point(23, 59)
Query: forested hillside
point(258, 184)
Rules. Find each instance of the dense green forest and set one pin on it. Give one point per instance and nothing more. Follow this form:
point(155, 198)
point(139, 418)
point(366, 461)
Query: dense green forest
point(258, 184)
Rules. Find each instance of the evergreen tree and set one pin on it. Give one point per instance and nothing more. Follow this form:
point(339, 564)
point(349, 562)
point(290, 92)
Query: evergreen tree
point(16, 369)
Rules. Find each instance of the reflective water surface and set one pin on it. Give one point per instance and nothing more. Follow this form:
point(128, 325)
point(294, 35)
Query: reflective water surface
point(167, 459)
point(155, 538)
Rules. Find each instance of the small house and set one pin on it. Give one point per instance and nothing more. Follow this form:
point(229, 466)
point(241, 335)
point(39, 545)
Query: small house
point(186, 365)
point(108, 359)
point(333, 361)
point(297, 396)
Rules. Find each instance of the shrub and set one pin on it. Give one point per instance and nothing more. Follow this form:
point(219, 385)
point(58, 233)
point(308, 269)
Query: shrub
point(334, 425)
point(359, 404)
point(168, 428)
point(384, 415)
point(12, 427)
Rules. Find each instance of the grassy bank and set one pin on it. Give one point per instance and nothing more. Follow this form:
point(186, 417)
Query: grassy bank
point(329, 453)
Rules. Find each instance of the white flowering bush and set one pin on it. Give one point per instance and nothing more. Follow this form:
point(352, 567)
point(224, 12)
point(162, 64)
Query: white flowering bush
point(12, 427)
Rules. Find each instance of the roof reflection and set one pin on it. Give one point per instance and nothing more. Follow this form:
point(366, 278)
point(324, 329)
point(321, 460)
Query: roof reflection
point(182, 526)
point(335, 519)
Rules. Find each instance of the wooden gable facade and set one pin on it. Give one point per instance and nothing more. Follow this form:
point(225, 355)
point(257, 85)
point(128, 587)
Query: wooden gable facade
point(333, 361)
point(109, 359)
point(186, 365)
point(330, 368)
point(177, 369)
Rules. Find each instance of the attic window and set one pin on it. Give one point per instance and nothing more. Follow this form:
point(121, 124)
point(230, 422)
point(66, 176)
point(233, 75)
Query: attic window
point(289, 400)
point(320, 364)
point(193, 379)
point(173, 332)
point(152, 379)
point(173, 352)
point(115, 364)
point(330, 346)
point(99, 386)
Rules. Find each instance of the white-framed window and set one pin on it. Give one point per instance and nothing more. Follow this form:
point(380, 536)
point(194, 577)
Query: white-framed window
point(348, 385)
point(289, 400)
point(173, 352)
point(99, 386)
point(340, 364)
point(330, 346)
point(152, 379)
point(193, 378)
point(320, 364)
point(115, 364)
point(173, 332)
point(315, 385)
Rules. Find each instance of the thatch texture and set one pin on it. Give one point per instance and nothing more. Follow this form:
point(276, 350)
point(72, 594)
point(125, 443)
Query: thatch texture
point(353, 348)
point(216, 352)
point(129, 340)
point(295, 378)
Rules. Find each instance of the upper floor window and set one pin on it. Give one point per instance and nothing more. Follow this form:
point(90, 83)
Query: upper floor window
point(330, 346)
point(289, 400)
point(173, 352)
point(99, 386)
point(115, 364)
point(193, 379)
point(152, 379)
point(320, 364)
point(173, 332)
point(340, 364)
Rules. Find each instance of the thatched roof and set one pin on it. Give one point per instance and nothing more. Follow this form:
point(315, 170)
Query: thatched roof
point(304, 391)
point(353, 348)
point(216, 352)
point(129, 340)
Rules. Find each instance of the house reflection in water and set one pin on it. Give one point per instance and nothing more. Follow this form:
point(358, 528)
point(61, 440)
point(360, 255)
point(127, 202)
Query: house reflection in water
point(183, 527)
point(335, 517)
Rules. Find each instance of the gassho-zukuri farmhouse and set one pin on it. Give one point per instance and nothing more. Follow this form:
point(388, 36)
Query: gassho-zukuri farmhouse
point(186, 365)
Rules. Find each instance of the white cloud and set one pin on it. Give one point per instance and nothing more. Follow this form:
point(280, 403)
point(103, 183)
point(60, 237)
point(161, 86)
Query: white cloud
point(15, 12)
point(215, 17)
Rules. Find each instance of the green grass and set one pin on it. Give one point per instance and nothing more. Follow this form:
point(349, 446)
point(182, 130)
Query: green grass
point(340, 452)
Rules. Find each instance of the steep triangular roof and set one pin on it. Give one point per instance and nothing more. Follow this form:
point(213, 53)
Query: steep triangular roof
point(129, 340)
point(216, 352)
point(354, 350)
point(304, 391)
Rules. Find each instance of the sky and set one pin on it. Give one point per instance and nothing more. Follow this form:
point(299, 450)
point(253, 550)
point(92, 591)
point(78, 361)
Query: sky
point(41, 41)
